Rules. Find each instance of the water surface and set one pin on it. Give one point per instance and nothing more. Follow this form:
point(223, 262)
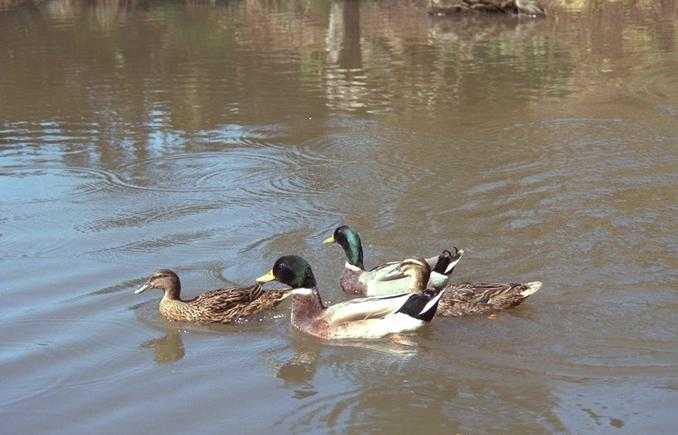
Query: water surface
point(212, 138)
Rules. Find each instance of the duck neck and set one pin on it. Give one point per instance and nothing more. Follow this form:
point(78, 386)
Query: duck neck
point(306, 306)
point(353, 249)
point(173, 291)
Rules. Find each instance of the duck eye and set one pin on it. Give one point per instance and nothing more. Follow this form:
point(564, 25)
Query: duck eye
point(280, 270)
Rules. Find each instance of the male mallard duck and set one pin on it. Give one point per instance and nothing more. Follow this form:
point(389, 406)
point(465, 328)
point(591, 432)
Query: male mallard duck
point(459, 300)
point(223, 305)
point(380, 280)
point(373, 317)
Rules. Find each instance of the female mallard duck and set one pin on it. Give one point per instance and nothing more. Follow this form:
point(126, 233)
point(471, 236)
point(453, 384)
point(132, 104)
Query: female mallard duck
point(517, 7)
point(477, 298)
point(217, 306)
point(373, 317)
point(380, 280)
point(462, 299)
point(484, 298)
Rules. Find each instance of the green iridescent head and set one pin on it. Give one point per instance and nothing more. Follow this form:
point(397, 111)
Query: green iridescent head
point(349, 240)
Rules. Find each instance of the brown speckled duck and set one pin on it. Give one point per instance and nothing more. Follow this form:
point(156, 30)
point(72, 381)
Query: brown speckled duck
point(518, 7)
point(484, 298)
point(361, 318)
point(223, 305)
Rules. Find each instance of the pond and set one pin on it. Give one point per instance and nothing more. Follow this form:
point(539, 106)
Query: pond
point(213, 137)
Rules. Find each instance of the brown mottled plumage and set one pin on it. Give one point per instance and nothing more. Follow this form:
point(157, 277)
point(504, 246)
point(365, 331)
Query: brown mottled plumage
point(469, 298)
point(223, 305)
point(524, 7)
point(483, 298)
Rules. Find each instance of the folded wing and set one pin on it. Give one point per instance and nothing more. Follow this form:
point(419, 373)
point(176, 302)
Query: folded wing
point(364, 308)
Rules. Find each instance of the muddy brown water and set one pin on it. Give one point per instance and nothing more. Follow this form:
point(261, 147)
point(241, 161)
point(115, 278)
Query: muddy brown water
point(213, 138)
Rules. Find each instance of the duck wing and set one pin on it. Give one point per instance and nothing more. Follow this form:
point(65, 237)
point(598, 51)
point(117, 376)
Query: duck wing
point(227, 304)
point(383, 279)
point(224, 298)
point(269, 299)
point(432, 261)
point(364, 308)
point(389, 265)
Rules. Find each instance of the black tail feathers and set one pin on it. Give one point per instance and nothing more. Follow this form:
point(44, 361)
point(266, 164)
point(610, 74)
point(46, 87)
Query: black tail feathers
point(444, 260)
point(422, 306)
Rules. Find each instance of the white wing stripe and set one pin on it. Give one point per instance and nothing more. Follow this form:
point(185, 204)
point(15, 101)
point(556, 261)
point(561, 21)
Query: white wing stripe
point(451, 265)
point(432, 302)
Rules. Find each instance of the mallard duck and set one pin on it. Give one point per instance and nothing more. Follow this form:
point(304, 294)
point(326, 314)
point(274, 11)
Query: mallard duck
point(473, 298)
point(361, 318)
point(524, 7)
point(223, 305)
point(380, 280)
point(484, 298)
point(460, 299)
point(463, 299)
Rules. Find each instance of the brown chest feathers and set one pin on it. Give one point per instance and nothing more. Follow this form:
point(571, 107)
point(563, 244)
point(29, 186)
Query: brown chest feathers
point(350, 282)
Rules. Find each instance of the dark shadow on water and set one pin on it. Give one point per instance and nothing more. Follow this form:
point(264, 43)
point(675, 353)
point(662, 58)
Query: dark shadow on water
point(166, 349)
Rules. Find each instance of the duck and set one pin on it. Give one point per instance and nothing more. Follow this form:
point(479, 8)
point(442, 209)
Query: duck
point(461, 299)
point(465, 299)
point(531, 8)
point(380, 280)
point(224, 305)
point(360, 318)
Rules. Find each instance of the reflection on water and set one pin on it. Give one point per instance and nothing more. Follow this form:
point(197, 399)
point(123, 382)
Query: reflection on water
point(166, 349)
point(299, 366)
point(213, 137)
point(298, 369)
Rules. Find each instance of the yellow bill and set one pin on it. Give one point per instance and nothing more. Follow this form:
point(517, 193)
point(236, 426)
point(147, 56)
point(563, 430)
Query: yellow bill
point(328, 240)
point(266, 278)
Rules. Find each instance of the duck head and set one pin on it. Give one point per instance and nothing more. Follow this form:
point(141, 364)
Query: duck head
point(163, 279)
point(291, 270)
point(349, 240)
point(296, 273)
